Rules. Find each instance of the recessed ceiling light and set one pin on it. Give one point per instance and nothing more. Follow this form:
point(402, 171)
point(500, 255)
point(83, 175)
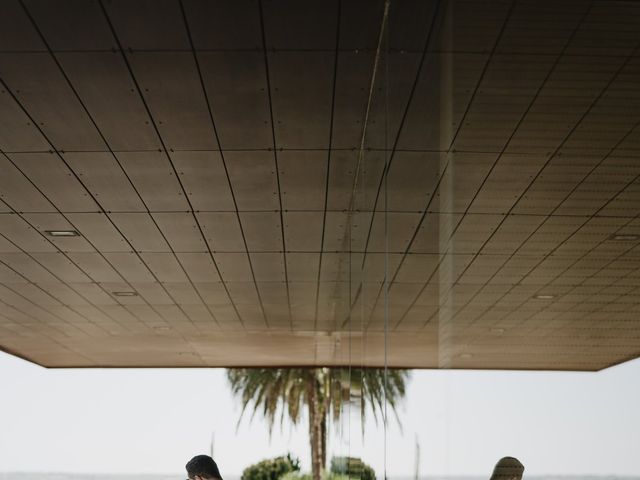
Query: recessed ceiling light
point(624, 237)
point(125, 294)
point(497, 331)
point(162, 328)
point(62, 233)
point(544, 297)
point(466, 355)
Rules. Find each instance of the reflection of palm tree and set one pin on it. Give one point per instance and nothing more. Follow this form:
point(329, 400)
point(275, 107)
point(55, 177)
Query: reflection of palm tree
point(321, 390)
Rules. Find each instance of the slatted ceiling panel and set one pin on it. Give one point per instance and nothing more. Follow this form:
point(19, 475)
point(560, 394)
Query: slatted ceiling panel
point(95, 267)
point(35, 294)
point(607, 30)
point(534, 246)
point(171, 88)
point(342, 170)
point(222, 231)
point(165, 30)
point(183, 293)
point(268, 267)
point(73, 25)
point(473, 27)
point(549, 27)
point(400, 228)
point(218, 26)
point(336, 228)
point(24, 306)
point(415, 318)
point(141, 231)
point(146, 314)
point(353, 75)
point(243, 293)
point(411, 181)
point(234, 267)
point(55, 221)
point(278, 317)
point(254, 181)
point(445, 86)
point(302, 231)
point(434, 232)
point(205, 180)
point(129, 266)
point(181, 231)
point(60, 266)
point(373, 268)
point(17, 32)
point(388, 107)
point(461, 181)
point(9, 275)
point(507, 181)
point(54, 179)
point(301, 87)
point(176, 317)
point(417, 268)
point(583, 76)
point(17, 231)
point(262, 231)
point(151, 292)
point(512, 233)
point(65, 295)
point(303, 179)
point(6, 246)
point(132, 323)
point(539, 134)
point(201, 316)
point(106, 180)
point(302, 267)
point(155, 180)
point(402, 295)
point(18, 134)
point(18, 192)
point(93, 293)
point(335, 232)
point(105, 87)
point(451, 267)
point(199, 267)
point(165, 267)
point(227, 317)
point(624, 203)
point(41, 89)
point(482, 268)
point(98, 230)
point(236, 83)
point(290, 25)
point(332, 267)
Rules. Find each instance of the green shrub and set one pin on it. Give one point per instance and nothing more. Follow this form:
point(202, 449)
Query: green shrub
point(352, 468)
point(271, 469)
point(296, 476)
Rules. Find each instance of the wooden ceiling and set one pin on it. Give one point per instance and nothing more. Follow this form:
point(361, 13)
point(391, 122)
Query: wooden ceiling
point(241, 175)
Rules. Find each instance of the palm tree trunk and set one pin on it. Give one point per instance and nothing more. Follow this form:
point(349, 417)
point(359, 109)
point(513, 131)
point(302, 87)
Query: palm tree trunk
point(323, 427)
point(317, 433)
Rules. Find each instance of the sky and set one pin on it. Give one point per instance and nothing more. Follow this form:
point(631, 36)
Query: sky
point(154, 420)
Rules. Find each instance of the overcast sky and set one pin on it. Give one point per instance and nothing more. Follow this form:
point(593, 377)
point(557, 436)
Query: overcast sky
point(152, 421)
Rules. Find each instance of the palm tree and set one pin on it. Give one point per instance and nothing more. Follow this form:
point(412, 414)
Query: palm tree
point(322, 390)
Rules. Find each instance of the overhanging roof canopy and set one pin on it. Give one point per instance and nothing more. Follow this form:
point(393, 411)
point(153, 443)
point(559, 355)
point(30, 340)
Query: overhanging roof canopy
point(210, 158)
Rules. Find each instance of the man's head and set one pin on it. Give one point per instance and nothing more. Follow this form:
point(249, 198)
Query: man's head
point(202, 467)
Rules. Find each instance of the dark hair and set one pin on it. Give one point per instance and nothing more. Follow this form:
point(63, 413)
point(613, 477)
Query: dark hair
point(203, 466)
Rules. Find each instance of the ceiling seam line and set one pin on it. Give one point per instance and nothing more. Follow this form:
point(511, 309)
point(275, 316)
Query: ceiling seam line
point(275, 158)
point(224, 164)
